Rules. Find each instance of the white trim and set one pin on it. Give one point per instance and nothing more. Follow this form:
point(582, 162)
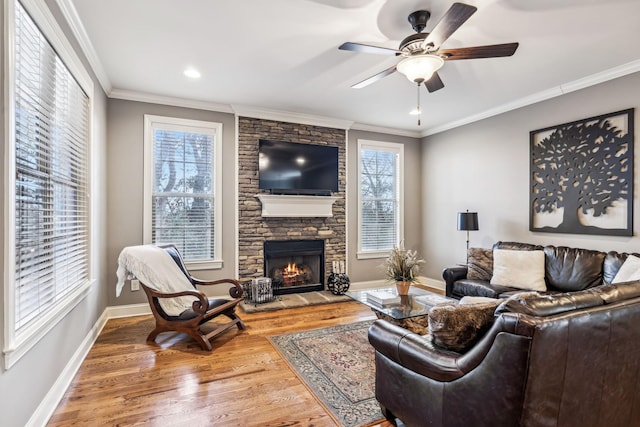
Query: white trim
point(77, 28)
point(592, 80)
point(394, 147)
point(131, 95)
point(433, 283)
point(276, 205)
point(372, 254)
point(9, 176)
point(129, 310)
point(17, 346)
point(55, 394)
point(390, 131)
point(150, 123)
point(289, 117)
point(236, 194)
point(38, 329)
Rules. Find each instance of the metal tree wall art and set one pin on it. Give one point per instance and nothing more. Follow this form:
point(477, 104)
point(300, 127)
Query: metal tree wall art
point(582, 176)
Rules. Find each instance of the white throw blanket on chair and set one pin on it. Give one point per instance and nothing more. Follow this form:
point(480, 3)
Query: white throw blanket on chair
point(154, 267)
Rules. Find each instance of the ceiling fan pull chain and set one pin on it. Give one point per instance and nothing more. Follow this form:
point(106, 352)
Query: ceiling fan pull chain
point(419, 110)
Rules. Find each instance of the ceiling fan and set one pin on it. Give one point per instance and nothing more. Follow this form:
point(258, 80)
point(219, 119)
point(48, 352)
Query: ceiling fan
point(421, 52)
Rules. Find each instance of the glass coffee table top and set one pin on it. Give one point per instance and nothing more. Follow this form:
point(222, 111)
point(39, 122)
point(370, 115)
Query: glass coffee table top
point(417, 303)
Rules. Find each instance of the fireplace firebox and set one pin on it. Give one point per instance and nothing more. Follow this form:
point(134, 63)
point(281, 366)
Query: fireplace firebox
point(294, 265)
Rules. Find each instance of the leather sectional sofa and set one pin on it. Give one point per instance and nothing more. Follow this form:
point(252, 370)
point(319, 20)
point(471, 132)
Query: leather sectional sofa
point(566, 270)
point(569, 357)
point(565, 360)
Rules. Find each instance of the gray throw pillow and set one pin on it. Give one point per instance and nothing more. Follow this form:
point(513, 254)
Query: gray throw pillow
point(457, 327)
point(480, 265)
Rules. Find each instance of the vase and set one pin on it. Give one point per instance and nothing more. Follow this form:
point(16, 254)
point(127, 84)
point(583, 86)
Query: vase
point(403, 288)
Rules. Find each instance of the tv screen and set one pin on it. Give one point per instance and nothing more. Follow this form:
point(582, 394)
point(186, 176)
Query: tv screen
point(294, 168)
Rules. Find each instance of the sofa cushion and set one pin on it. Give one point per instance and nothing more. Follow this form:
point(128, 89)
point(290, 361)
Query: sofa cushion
point(457, 327)
point(547, 305)
point(519, 269)
point(571, 269)
point(479, 288)
point(629, 271)
point(619, 291)
point(480, 264)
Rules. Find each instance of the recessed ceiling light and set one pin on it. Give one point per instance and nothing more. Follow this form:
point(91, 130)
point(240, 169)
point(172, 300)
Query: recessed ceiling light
point(192, 73)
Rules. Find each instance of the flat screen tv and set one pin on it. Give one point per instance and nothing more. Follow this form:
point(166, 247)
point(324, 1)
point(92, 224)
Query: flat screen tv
point(294, 168)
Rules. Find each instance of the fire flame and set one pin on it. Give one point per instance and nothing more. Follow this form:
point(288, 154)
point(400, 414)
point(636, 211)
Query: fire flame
point(291, 269)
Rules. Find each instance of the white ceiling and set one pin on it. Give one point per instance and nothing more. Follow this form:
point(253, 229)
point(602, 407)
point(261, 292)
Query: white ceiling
point(283, 55)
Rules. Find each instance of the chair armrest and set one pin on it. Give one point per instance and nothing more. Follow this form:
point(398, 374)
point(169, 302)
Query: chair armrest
point(235, 292)
point(200, 305)
point(450, 275)
point(417, 353)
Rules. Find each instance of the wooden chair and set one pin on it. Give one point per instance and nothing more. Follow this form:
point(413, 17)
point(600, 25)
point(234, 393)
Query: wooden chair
point(202, 311)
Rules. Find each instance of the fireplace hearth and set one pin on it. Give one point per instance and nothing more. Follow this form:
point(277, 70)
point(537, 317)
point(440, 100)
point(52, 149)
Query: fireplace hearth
point(294, 265)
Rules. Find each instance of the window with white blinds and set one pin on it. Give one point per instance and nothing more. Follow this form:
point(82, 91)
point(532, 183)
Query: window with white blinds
point(380, 197)
point(52, 136)
point(182, 187)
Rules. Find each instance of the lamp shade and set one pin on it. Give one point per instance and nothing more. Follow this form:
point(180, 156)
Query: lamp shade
point(467, 221)
point(419, 68)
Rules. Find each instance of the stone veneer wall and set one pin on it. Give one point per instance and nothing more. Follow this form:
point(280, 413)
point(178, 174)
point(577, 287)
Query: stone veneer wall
point(253, 228)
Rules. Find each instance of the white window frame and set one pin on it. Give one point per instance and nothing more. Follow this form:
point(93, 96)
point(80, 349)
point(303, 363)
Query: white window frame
point(394, 148)
point(17, 344)
point(152, 122)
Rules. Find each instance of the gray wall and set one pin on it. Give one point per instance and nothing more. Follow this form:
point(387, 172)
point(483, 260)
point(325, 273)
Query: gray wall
point(369, 269)
point(484, 167)
point(26, 383)
point(125, 193)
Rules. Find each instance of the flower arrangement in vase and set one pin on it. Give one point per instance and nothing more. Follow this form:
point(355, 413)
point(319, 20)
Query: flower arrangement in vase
point(402, 266)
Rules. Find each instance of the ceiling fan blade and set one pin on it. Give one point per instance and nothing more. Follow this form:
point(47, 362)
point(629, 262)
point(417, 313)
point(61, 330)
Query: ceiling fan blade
point(434, 83)
point(374, 78)
point(457, 15)
point(365, 48)
point(488, 51)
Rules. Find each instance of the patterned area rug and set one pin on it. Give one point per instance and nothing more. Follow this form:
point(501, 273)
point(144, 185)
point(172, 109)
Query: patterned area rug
point(337, 365)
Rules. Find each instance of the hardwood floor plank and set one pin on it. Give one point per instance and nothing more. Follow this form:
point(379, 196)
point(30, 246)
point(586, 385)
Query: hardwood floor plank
point(242, 382)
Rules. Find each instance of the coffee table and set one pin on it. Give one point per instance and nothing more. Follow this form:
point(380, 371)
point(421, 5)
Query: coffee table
point(412, 311)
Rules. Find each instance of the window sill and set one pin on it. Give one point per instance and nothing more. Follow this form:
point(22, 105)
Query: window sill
point(211, 264)
point(372, 255)
point(45, 323)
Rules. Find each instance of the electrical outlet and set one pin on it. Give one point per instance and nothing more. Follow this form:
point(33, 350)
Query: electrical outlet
point(135, 285)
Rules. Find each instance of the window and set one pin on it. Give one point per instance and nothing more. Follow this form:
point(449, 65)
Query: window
point(183, 187)
point(379, 197)
point(47, 264)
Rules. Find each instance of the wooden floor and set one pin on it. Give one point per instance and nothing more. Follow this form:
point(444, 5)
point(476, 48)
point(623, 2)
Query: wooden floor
point(242, 382)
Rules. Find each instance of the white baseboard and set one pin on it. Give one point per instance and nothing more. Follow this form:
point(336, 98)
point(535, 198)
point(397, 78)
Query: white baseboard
point(129, 310)
point(51, 401)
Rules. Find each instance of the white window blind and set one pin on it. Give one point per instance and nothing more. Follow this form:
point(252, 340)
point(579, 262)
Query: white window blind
point(183, 188)
point(379, 196)
point(52, 134)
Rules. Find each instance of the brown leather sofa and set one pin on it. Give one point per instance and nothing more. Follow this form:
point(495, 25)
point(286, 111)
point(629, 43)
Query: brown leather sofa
point(566, 270)
point(564, 360)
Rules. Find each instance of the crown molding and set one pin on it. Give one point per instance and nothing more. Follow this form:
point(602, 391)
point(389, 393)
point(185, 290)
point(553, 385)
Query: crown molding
point(77, 28)
point(289, 117)
point(563, 89)
point(130, 95)
point(382, 129)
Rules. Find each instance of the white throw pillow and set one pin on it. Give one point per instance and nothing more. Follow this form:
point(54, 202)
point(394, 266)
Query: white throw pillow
point(519, 269)
point(629, 271)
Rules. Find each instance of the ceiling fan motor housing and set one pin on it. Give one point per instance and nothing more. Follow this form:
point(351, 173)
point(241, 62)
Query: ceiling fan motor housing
point(418, 20)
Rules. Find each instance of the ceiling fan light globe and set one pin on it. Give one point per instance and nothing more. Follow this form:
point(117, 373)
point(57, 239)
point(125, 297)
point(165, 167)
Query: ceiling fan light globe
point(419, 68)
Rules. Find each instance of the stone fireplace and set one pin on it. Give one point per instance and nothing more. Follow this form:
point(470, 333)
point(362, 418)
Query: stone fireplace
point(294, 265)
point(254, 229)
